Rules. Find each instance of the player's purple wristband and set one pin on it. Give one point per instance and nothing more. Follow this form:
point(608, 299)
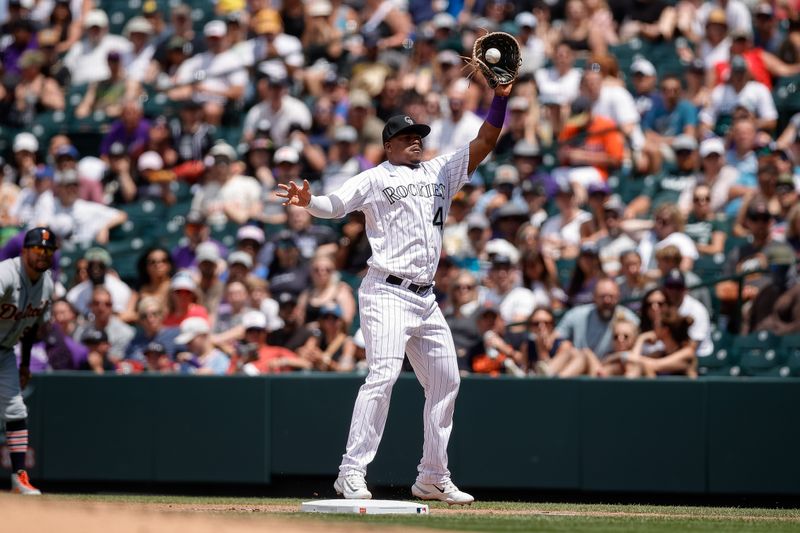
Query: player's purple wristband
point(497, 111)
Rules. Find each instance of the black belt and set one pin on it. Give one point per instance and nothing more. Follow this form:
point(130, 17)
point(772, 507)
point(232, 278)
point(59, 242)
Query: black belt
point(391, 279)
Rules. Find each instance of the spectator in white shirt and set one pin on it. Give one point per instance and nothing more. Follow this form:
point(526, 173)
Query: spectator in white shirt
point(279, 108)
point(214, 77)
point(86, 60)
point(561, 82)
point(561, 233)
point(459, 128)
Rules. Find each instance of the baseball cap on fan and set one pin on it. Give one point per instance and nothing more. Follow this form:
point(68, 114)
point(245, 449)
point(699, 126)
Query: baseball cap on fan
point(403, 124)
point(191, 328)
point(41, 236)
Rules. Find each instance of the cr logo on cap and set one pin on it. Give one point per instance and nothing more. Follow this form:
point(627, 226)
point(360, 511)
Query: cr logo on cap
point(409, 120)
point(45, 235)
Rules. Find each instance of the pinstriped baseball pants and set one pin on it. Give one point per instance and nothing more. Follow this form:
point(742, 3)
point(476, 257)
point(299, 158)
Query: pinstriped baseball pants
point(395, 321)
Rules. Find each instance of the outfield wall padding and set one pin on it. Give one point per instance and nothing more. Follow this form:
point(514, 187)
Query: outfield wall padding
point(708, 436)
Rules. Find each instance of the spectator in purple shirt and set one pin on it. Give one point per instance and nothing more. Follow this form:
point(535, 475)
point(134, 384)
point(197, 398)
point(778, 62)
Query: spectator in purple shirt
point(196, 230)
point(22, 31)
point(131, 129)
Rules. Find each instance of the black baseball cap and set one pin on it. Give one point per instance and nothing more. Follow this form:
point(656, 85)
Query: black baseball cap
point(94, 336)
point(403, 124)
point(41, 236)
point(154, 347)
point(674, 279)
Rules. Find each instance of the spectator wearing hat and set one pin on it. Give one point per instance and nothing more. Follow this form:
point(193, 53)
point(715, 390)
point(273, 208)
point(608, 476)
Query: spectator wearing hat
point(164, 66)
point(98, 359)
point(344, 161)
point(240, 264)
point(261, 357)
point(714, 43)
point(278, 107)
point(107, 96)
point(271, 44)
point(326, 339)
point(767, 33)
point(504, 290)
point(614, 242)
point(696, 89)
point(21, 38)
point(222, 82)
point(157, 359)
point(667, 186)
point(457, 128)
point(516, 130)
point(667, 230)
point(326, 287)
point(644, 77)
point(99, 265)
point(209, 285)
point(34, 199)
point(707, 229)
point(150, 329)
point(181, 26)
point(53, 65)
point(595, 228)
point(35, 92)
point(492, 355)
point(87, 59)
point(102, 318)
point(560, 234)
point(460, 312)
point(361, 116)
point(675, 290)
point(200, 356)
point(192, 138)
point(23, 166)
point(290, 335)
point(321, 38)
point(182, 303)
point(592, 146)
point(504, 190)
point(734, 14)
point(762, 65)
point(560, 82)
point(671, 114)
point(226, 195)
point(196, 230)
point(76, 220)
point(287, 167)
point(119, 187)
point(532, 47)
point(740, 88)
point(139, 31)
point(250, 239)
point(715, 173)
point(288, 271)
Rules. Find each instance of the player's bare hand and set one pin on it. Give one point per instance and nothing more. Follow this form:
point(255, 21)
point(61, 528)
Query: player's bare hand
point(24, 376)
point(503, 90)
point(294, 195)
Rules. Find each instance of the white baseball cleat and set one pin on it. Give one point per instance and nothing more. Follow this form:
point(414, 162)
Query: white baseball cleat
point(20, 484)
point(352, 487)
point(445, 491)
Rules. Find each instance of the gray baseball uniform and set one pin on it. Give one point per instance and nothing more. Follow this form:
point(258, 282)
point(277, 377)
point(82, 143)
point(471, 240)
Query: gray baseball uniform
point(23, 305)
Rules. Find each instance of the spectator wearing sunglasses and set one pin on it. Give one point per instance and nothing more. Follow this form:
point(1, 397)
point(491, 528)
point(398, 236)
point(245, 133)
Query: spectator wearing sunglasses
point(117, 332)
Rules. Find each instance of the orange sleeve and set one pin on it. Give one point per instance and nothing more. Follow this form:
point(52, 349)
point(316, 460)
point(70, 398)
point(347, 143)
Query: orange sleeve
point(614, 145)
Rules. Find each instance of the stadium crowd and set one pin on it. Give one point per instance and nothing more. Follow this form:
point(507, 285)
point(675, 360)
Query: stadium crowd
point(649, 163)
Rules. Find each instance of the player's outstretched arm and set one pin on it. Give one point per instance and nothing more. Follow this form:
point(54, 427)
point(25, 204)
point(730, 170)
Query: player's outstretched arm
point(319, 206)
point(486, 140)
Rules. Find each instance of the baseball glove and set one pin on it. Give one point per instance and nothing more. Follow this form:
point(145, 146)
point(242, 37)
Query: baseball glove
point(506, 69)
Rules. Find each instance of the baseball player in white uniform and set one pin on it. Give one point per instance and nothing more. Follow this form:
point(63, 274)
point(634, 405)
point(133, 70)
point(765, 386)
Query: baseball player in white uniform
point(405, 201)
point(26, 292)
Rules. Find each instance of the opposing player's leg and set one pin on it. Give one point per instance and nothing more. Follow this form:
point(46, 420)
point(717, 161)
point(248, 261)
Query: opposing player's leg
point(385, 322)
point(15, 414)
point(433, 356)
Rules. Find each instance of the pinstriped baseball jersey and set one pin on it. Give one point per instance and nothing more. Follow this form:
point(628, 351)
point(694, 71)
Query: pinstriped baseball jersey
point(405, 210)
point(22, 304)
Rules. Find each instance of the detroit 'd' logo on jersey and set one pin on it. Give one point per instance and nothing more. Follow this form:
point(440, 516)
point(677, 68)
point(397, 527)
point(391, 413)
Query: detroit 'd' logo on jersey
point(11, 312)
point(424, 190)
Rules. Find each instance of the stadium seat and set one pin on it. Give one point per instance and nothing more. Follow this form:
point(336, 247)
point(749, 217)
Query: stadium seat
point(758, 354)
point(723, 362)
point(790, 348)
point(709, 267)
point(125, 254)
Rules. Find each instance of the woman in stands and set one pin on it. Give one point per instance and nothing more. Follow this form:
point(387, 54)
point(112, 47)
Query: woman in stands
point(543, 343)
point(588, 270)
point(703, 226)
point(155, 269)
point(633, 284)
point(539, 279)
point(326, 287)
point(182, 303)
point(677, 356)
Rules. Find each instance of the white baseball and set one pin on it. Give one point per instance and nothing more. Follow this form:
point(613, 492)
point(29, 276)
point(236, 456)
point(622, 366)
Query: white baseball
point(492, 55)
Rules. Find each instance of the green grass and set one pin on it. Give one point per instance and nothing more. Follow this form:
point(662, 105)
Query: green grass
point(515, 516)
